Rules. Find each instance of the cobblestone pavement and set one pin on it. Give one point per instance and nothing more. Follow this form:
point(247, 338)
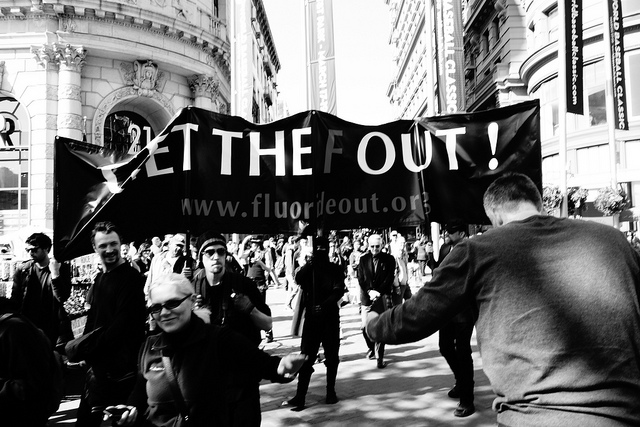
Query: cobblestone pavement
point(411, 391)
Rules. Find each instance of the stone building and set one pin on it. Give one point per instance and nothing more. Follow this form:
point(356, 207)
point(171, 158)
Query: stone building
point(112, 73)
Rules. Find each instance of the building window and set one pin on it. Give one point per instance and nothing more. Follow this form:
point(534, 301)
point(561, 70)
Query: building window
point(593, 159)
point(633, 85)
point(632, 154)
point(14, 165)
point(484, 43)
point(597, 108)
point(495, 29)
point(551, 169)
point(552, 24)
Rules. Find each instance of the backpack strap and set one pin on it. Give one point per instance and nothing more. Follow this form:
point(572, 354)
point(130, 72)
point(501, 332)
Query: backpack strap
point(175, 388)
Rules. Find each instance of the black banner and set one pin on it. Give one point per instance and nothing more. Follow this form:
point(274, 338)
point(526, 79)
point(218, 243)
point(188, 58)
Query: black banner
point(574, 56)
point(212, 171)
point(616, 31)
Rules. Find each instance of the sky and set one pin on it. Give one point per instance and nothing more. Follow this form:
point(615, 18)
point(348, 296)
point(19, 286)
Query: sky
point(364, 64)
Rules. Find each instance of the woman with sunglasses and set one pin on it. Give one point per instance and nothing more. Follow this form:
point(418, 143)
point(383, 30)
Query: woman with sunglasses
point(206, 361)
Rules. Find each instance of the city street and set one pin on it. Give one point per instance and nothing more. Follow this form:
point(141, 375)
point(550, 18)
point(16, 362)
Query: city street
point(411, 391)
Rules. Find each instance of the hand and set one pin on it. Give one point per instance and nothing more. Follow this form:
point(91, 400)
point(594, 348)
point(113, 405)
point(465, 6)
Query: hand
point(291, 364)
point(54, 268)
point(242, 303)
point(373, 294)
point(204, 313)
point(187, 272)
point(123, 415)
point(397, 290)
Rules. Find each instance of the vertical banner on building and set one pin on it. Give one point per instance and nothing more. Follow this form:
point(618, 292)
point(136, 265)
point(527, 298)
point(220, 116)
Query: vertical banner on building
point(617, 63)
point(574, 56)
point(450, 49)
point(321, 70)
point(242, 67)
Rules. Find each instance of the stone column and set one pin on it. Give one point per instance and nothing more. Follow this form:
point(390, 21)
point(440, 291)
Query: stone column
point(43, 111)
point(205, 89)
point(71, 59)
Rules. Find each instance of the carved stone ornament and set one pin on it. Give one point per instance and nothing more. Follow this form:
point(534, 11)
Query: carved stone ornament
point(145, 77)
point(71, 57)
point(44, 55)
point(203, 85)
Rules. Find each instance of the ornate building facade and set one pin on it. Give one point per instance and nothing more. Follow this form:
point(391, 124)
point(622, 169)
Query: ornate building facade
point(111, 73)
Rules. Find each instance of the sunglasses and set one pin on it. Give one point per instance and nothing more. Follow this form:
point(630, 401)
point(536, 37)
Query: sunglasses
point(172, 304)
point(33, 249)
point(374, 246)
point(209, 252)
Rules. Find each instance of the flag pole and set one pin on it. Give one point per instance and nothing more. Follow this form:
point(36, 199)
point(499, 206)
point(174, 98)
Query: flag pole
point(562, 107)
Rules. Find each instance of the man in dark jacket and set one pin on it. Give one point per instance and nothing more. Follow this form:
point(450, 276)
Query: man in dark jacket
point(40, 287)
point(376, 272)
point(225, 298)
point(117, 306)
point(30, 377)
point(322, 285)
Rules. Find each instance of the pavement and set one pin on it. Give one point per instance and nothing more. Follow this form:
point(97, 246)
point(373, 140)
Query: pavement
point(410, 391)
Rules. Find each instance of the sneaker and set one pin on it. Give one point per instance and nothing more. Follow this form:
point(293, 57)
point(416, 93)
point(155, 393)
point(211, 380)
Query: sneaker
point(464, 410)
point(381, 364)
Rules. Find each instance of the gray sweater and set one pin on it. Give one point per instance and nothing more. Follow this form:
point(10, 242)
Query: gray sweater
point(558, 319)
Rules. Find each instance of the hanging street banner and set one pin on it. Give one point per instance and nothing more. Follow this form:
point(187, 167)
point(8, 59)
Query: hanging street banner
point(209, 171)
point(616, 31)
point(574, 56)
point(321, 57)
point(450, 54)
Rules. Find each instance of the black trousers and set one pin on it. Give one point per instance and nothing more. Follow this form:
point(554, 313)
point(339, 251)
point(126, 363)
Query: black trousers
point(455, 347)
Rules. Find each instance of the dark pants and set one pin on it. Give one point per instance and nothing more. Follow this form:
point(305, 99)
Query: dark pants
point(318, 330)
point(99, 393)
point(455, 347)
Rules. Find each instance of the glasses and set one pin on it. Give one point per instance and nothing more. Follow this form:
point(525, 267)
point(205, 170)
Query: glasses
point(374, 246)
point(209, 252)
point(33, 249)
point(172, 304)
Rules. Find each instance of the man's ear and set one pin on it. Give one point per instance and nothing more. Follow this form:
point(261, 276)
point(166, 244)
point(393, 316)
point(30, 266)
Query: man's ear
point(495, 217)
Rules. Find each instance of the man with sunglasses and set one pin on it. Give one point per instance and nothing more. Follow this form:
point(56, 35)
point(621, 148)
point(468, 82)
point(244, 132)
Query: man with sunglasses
point(117, 306)
point(376, 272)
point(40, 287)
point(225, 298)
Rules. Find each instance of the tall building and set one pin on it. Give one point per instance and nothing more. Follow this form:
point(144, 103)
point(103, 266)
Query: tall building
point(511, 54)
point(410, 37)
point(111, 73)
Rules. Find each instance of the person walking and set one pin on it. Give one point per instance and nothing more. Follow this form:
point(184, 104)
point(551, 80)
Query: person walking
point(557, 308)
point(322, 285)
point(376, 272)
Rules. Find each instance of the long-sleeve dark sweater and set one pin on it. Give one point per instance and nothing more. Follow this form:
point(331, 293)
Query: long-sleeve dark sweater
point(558, 319)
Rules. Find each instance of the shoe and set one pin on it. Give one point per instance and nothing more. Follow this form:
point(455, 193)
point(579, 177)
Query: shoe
point(382, 365)
point(296, 404)
point(371, 355)
point(464, 410)
point(454, 393)
point(331, 398)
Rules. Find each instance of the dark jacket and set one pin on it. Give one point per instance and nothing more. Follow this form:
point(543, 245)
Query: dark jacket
point(381, 280)
point(322, 284)
point(30, 377)
point(117, 305)
point(208, 361)
point(223, 312)
point(42, 305)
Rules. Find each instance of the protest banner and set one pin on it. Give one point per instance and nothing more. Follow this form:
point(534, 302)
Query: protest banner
point(209, 171)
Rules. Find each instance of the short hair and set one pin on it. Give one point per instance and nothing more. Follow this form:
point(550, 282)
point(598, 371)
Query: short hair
point(374, 237)
point(456, 227)
point(509, 190)
point(178, 281)
point(40, 240)
point(104, 227)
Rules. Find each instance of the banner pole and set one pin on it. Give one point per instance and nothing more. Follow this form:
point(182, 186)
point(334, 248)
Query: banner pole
point(562, 108)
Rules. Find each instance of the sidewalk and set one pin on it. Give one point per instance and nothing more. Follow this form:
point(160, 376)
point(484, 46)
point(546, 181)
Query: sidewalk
point(411, 391)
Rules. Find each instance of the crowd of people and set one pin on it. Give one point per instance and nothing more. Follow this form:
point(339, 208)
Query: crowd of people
point(174, 325)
